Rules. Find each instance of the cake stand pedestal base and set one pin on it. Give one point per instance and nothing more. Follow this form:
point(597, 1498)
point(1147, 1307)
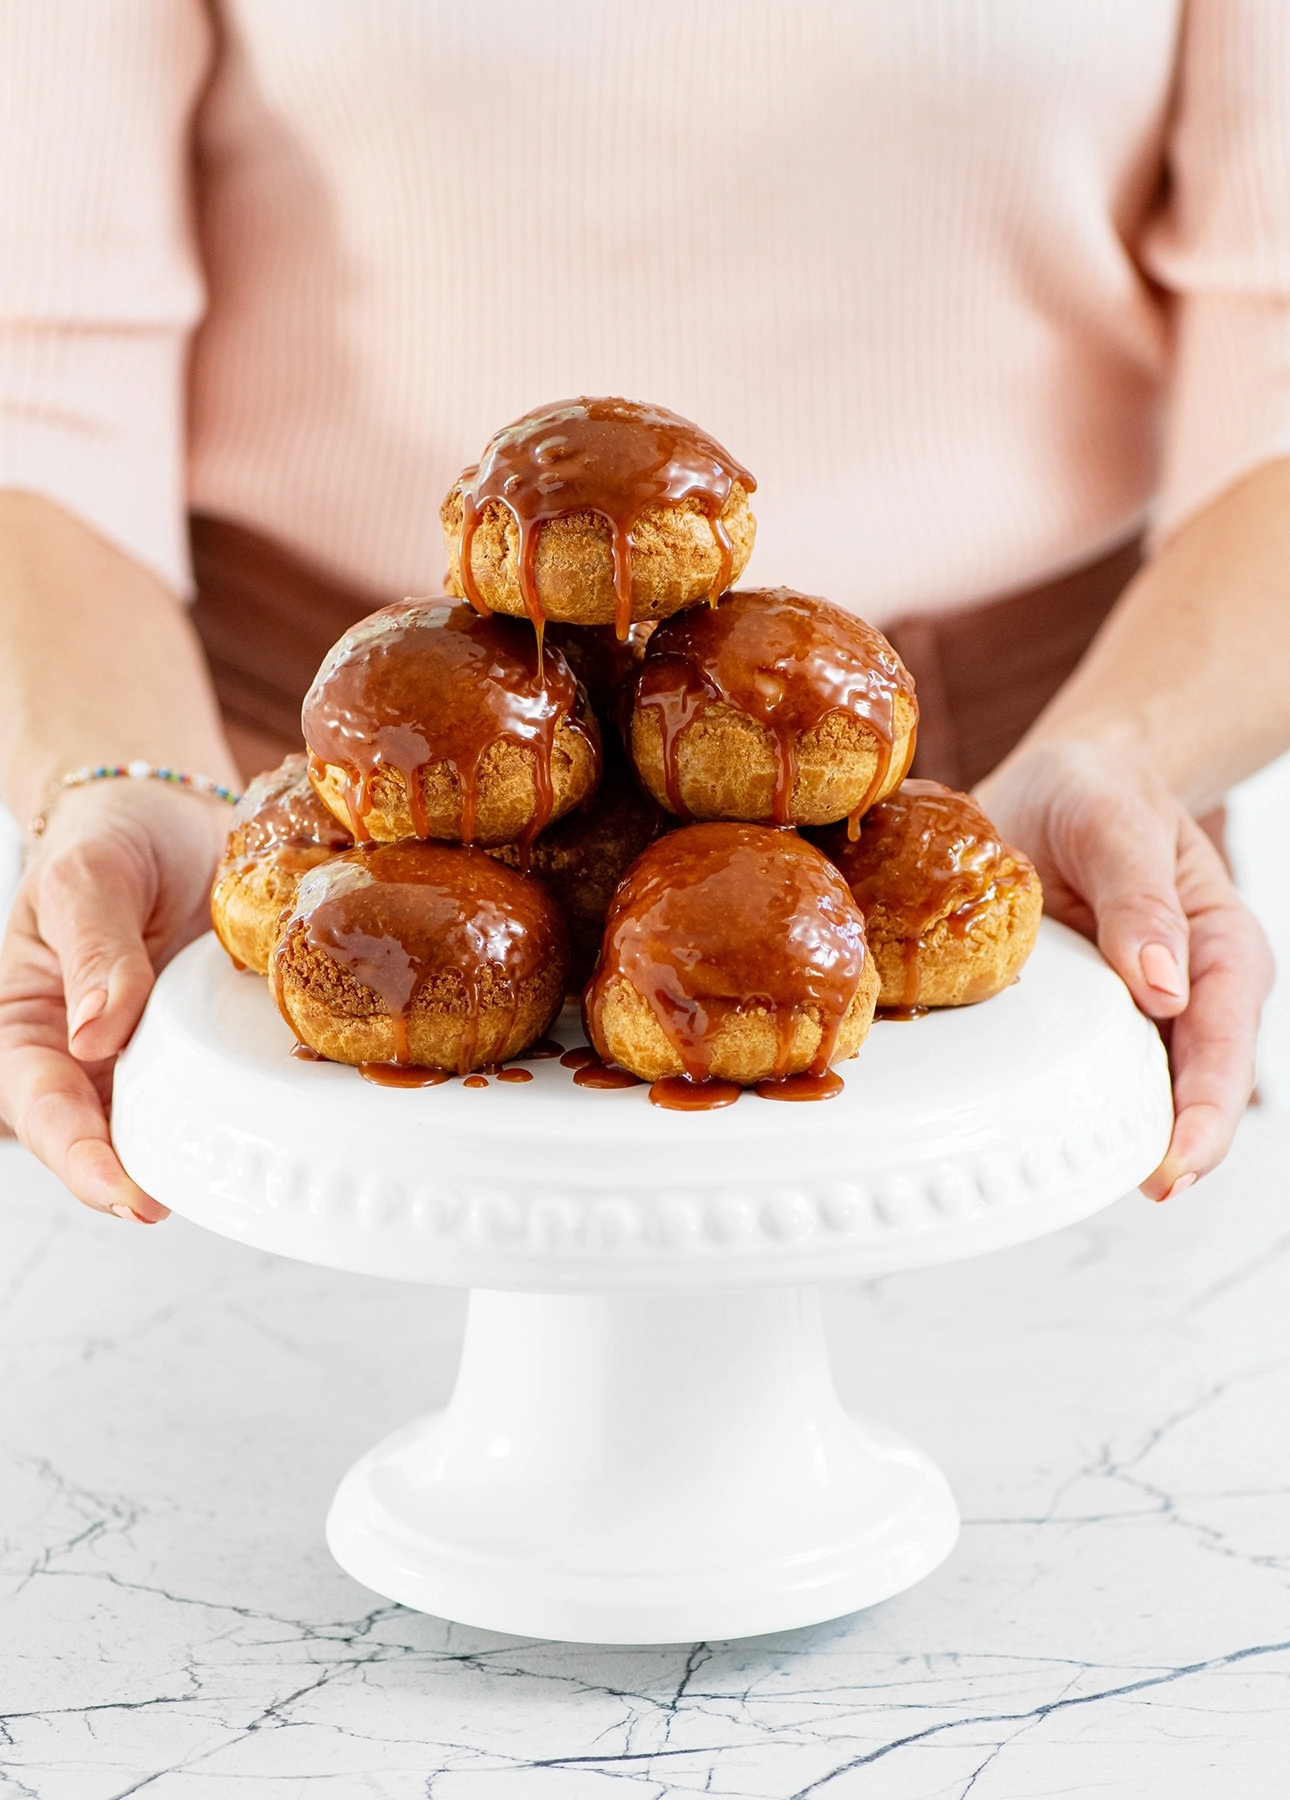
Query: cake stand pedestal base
point(641, 1468)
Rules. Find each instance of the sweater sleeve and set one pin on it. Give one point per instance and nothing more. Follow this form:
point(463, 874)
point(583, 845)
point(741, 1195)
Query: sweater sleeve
point(1221, 247)
point(99, 278)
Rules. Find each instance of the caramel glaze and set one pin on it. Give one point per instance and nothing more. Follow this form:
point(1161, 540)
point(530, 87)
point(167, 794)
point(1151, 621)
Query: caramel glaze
point(787, 660)
point(426, 682)
point(719, 919)
point(605, 456)
point(591, 1071)
point(605, 1075)
point(677, 1093)
point(280, 821)
point(401, 1075)
point(281, 810)
point(394, 917)
point(926, 854)
point(827, 1085)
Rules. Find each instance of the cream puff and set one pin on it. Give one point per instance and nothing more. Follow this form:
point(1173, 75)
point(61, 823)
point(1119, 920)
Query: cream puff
point(733, 953)
point(280, 830)
point(772, 707)
point(951, 911)
point(429, 955)
point(429, 721)
point(598, 512)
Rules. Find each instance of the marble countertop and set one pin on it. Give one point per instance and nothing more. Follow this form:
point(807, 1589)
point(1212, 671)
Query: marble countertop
point(1111, 1404)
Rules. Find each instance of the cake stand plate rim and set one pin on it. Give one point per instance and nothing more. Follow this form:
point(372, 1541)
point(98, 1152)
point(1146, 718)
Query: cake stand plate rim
point(405, 1183)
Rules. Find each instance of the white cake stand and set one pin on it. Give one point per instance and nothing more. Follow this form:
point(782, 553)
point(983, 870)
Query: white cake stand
point(644, 1444)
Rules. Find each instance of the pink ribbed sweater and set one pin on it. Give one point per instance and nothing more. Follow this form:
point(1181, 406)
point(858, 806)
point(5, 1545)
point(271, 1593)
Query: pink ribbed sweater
point(965, 282)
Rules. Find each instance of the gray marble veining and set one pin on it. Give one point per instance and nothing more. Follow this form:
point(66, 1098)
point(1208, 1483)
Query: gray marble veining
point(1111, 1404)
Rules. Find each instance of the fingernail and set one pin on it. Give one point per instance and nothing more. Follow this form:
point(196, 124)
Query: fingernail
point(122, 1211)
point(1179, 1187)
point(1160, 970)
point(90, 1007)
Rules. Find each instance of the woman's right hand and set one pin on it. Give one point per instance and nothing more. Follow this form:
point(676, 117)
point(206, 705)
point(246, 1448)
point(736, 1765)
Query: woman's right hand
point(119, 882)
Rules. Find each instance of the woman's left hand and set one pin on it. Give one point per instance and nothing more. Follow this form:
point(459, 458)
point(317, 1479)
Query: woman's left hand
point(1123, 863)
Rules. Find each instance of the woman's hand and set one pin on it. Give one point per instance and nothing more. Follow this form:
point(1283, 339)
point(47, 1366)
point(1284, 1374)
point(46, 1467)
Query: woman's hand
point(1123, 863)
point(119, 882)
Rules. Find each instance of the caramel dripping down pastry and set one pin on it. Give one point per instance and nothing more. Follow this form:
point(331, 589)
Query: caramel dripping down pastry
point(280, 830)
point(428, 721)
point(951, 911)
point(775, 707)
point(419, 955)
point(597, 512)
point(733, 953)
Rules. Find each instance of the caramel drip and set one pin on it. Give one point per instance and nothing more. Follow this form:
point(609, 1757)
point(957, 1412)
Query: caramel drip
point(911, 950)
point(612, 458)
point(908, 1008)
point(724, 919)
point(605, 1075)
point(827, 1085)
point(677, 1093)
point(427, 683)
point(784, 659)
point(397, 917)
point(515, 1074)
point(281, 812)
point(401, 1075)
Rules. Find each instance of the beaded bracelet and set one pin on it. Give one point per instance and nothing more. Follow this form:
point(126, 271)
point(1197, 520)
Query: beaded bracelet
point(138, 770)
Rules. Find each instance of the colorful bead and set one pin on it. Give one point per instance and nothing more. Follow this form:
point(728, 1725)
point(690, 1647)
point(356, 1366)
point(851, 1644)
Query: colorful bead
point(136, 770)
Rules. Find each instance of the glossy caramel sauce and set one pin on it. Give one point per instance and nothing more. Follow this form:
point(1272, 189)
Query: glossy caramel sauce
point(394, 917)
point(590, 1071)
point(613, 458)
point(925, 855)
point(827, 1085)
point(515, 1074)
point(788, 661)
point(722, 919)
point(425, 682)
point(402, 1075)
point(677, 1093)
point(605, 1075)
point(280, 824)
point(281, 810)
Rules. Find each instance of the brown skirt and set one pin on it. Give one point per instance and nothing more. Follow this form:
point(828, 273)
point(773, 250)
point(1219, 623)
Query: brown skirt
point(983, 674)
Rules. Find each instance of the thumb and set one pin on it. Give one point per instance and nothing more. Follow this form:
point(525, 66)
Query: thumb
point(1125, 864)
point(92, 903)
